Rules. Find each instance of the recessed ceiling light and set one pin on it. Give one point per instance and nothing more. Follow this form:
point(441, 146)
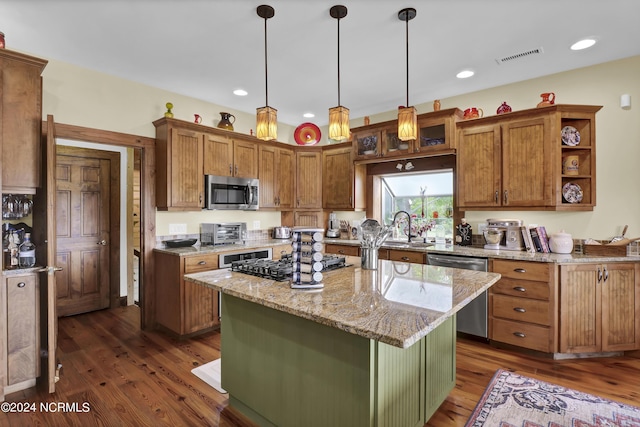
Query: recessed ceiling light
point(583, 44)
point(465, 74)
point(308, 115)
point(240, 92)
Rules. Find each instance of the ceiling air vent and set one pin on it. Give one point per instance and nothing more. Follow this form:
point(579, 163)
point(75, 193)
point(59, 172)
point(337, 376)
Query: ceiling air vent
point(536, 51)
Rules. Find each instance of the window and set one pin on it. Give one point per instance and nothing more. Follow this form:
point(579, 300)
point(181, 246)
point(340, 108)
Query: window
point(427, 196)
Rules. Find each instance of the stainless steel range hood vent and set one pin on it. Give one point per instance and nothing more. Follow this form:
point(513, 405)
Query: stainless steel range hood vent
point(509, 58)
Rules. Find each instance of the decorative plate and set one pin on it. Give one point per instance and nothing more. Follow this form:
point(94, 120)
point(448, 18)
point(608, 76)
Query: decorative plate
point(572, 193)
point(307, 134)
point(570, 136)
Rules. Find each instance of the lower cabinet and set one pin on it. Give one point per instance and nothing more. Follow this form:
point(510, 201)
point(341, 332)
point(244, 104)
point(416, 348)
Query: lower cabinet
point(599, 307)
point(184, 308)
point(522, 305)
point(19, 335)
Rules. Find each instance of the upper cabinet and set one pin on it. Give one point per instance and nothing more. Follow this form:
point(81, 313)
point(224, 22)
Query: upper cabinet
point(277, 172)
point(21, 121)
point(516, 160)
point(436, 135)
point(343, 186)
point(309, 178)
point(229, 155)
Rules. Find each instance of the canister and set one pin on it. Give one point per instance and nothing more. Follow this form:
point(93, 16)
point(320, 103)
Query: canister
point(570, 165)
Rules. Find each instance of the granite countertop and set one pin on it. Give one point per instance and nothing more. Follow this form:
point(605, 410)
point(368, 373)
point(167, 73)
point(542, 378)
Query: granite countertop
point(398, 304)
point(199, 250)
point(472, 251)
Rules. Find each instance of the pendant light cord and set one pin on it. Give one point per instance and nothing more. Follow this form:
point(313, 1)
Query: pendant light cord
point(338, 61)
point(406, 20)
point(266, 75)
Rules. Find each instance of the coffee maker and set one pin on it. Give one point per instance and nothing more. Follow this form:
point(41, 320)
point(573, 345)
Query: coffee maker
point(512, 233)
point(333, 230)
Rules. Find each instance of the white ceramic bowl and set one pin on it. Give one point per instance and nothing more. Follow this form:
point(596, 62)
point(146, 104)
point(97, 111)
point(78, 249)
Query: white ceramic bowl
point(492, 235)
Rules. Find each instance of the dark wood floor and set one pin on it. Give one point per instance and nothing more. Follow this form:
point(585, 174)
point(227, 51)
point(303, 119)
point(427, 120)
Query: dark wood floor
point(134, 378)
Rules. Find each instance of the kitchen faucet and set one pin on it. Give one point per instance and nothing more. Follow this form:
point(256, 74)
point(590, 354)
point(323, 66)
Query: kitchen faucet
point(408, 216)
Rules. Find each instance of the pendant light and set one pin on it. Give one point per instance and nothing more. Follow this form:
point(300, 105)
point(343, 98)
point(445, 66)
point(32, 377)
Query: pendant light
point(266, 117)
point(338, 116)
point(407, 117)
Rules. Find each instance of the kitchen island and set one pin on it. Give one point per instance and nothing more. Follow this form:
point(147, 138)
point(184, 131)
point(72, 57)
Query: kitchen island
point(373, 347)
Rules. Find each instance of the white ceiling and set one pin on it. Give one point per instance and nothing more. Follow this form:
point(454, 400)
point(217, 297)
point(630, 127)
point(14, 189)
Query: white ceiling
point(206, 49)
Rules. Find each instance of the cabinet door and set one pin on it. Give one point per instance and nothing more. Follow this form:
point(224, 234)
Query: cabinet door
point(218, 155)
point(199, 308)
point(620, 307)
point(337, 177)
point(20, 119)
point(267, 159)
point(367, 143)
point(185, 162)
point(526, 163)
point(286, 182)
point(245, 159)
point(22, 328)
point(580, 308)
point(309, 179)
point(478, 167)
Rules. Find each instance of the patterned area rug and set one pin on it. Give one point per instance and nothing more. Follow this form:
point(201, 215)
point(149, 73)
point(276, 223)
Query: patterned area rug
point(513, 400)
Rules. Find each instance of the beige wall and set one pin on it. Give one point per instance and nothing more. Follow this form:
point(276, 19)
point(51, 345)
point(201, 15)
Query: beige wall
point(86, 98)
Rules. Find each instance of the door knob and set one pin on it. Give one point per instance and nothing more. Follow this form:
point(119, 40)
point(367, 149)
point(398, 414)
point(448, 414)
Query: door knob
point(102, 242)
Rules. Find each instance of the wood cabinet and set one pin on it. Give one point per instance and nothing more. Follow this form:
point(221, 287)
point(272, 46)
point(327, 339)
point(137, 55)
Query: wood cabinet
point(277, 175)
point(179, 160)
point(309, 179)
point(599, 307)
point(523, 305)
point(20, 121)
point(437, 134)
point(19, 334)
point(515, 160)
point(346, 250)
point(184, 308)
point(343, 185)
point(230, 155)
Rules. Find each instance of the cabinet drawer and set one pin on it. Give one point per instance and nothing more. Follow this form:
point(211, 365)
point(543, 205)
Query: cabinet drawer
point(407, 256)
point(196, 263)
point(521, 309)
point(524, 270)
point(524, 335)
point(522, 288)
point(342, 249)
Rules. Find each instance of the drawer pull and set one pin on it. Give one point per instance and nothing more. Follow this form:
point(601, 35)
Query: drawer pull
point(22, 285)
point(519, 334)
point(519, 309)
point(202, 263)
point(341, 251)
point(405, 258)
point(519, 270)
point(519, 289)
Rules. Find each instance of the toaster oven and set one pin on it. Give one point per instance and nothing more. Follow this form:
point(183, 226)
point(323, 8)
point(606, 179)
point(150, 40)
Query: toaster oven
point(226, 233)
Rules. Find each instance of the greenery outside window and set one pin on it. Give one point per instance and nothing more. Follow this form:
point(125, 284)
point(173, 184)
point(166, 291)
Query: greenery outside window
point(427, 196)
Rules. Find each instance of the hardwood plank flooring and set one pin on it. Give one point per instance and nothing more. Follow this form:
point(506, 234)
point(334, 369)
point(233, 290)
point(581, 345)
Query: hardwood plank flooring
point(131, 377)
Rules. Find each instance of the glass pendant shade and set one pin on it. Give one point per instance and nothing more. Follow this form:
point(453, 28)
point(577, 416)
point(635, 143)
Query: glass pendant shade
point(339, 123)
point(266, 123)
point(407, 124)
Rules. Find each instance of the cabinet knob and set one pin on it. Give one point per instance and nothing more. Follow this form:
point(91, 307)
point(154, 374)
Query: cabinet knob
point(22, 285)
point(230, 168)
point(496, 196)
point(606, 274)
point(519, 289)
point(506, 197)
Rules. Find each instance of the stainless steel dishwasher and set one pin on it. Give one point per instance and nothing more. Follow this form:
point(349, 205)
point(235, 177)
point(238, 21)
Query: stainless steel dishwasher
point(472, 319)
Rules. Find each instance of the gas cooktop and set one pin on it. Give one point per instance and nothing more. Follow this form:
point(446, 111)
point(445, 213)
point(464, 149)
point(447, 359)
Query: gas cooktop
point(282, 269)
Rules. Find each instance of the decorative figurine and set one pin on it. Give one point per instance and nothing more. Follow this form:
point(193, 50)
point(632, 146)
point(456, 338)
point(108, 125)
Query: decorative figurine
point(436, 105)
point(463, 233)
point(504, 108)
point(169, 113)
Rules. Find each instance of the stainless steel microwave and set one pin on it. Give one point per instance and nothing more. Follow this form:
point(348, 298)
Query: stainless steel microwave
point(226, 192)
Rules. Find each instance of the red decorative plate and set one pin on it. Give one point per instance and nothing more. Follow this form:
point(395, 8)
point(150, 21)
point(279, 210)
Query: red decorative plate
point(307, 134)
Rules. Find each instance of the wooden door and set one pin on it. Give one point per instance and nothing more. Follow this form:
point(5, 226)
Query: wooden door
point(620, 307)
point(309, 182)
point(580, 308)
point(337, 177)
point(526, 163)
point(478, 167)
point(218, 155)
point(83, 183)
point(286, 168)
point(245, 159)
point(44, 232)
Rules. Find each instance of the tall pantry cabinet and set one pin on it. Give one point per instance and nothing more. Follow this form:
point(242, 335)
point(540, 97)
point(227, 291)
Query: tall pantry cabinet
point(20, 161)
